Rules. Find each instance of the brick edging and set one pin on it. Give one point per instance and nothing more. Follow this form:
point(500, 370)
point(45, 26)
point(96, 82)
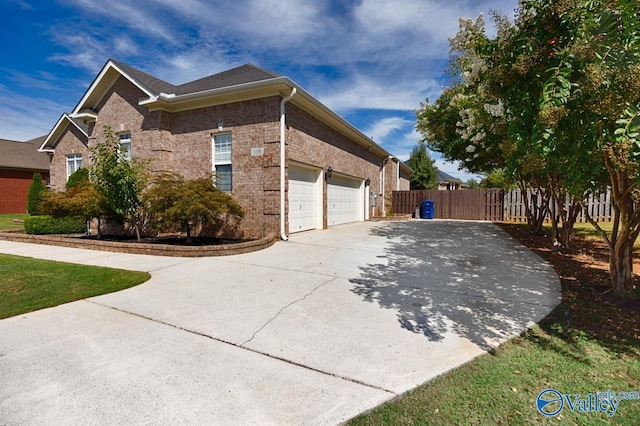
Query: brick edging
point(143, 248)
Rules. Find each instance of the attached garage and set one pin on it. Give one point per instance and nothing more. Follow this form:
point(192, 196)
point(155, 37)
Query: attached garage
point(345, 201)
point(305, 200)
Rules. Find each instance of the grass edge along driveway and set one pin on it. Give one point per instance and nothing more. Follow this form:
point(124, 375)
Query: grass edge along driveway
point(28, 284)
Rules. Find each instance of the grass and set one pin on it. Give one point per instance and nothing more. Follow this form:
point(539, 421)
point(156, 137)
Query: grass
point(590, 343)
point(7, 224)
point(28, 284)
point(586, 230)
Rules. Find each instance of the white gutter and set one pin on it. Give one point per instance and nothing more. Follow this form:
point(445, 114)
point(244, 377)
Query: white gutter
point(284, 100)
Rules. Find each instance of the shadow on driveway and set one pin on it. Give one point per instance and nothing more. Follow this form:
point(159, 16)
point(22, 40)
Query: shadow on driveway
point(470, 278)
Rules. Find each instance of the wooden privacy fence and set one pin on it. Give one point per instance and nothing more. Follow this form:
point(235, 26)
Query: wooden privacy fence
point(598, 205)
point(474, 204)
point(491, 204)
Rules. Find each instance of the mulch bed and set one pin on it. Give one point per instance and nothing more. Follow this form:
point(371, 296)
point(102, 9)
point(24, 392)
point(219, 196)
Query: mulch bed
point(171, 240)
point(589, 307)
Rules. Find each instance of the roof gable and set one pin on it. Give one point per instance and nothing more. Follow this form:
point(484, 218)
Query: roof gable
point(23, 155)
point(51, 140)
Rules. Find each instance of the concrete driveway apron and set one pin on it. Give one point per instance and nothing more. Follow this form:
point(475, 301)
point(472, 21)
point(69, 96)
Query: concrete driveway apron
point(311, 331)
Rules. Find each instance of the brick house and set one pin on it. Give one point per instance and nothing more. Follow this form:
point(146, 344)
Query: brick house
point(18, 162)
point(292, 163)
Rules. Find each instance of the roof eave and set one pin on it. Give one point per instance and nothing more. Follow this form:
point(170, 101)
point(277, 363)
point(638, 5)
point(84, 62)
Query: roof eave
point(96, 85)
point(56, 133)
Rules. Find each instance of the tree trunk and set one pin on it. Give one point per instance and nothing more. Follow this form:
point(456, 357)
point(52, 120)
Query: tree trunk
point(627, 229)
point(188, 229)
point(621, 262)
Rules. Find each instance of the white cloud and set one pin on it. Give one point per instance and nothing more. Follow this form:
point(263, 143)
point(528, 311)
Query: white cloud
point(365, 92)
point(382, 128)
point(23, 118)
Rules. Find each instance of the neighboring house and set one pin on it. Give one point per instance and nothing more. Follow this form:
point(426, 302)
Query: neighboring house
point(447, 182)
point(248, 126)
point(18, 162)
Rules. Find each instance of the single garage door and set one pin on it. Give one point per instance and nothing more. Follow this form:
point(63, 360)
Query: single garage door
point(303, 201)
point(344, 200)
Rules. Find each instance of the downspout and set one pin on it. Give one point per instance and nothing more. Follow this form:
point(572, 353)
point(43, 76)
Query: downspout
point(284, 100)
point(398, 174)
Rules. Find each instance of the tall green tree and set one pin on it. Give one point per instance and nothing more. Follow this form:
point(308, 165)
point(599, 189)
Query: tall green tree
point(120, 181)
point(425, 175)
point(35, 195)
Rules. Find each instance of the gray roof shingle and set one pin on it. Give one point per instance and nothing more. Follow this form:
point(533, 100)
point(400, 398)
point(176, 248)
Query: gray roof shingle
point(444, 177)
point(23, 155)
point(247, 73)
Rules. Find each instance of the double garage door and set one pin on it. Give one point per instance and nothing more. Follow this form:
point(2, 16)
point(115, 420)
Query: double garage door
point(344, 199)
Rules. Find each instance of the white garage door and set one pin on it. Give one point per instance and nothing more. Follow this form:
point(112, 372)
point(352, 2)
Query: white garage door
point(303, 201)
point(344, 202)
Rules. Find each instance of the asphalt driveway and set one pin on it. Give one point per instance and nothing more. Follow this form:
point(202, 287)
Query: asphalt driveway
point(311, 331)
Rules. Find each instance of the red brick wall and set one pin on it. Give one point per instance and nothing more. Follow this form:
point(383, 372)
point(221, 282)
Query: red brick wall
point(14, 185)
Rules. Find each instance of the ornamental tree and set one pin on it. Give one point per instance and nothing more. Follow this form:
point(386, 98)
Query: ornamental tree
point(176, 204)
point(119, 180)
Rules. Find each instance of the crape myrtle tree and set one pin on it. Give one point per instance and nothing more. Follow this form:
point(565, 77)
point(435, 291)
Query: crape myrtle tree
point(562, 86)
point(591, 95)
point(119, 181)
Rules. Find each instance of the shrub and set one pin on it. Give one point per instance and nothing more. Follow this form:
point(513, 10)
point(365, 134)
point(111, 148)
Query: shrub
point(35, 195)
point(79, 176)
point(176, 204)
point(40, 225)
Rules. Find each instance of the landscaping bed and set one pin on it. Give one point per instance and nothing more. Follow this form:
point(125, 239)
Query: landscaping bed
point(162, 246)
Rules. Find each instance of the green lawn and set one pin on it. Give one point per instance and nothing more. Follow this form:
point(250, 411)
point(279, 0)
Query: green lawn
point(587, 230)
point(28, 284)
point(6, 221)
point(501, 388)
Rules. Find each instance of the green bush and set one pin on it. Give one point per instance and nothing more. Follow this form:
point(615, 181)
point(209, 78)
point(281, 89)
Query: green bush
point(78, 177)
point(35, 194)
point(40, 225)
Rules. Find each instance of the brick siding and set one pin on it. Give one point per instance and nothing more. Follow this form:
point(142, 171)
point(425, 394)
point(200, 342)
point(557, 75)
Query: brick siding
point(14, 186)
point(182, 142)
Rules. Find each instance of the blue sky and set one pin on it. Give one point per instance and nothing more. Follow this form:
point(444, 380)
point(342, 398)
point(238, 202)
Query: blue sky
point(371, 61)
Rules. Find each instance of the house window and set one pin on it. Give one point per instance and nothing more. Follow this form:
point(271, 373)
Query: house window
point(222, 161)
point(74, 162)
point(125, 145)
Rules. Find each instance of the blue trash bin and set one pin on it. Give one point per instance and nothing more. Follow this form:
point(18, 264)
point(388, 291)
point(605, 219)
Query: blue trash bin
point(427, 209)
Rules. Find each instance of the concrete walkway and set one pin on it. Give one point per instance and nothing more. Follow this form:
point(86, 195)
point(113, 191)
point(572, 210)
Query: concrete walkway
point(311, 331)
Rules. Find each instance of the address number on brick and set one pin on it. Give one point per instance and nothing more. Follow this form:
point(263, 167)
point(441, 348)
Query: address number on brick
point(257, 152)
